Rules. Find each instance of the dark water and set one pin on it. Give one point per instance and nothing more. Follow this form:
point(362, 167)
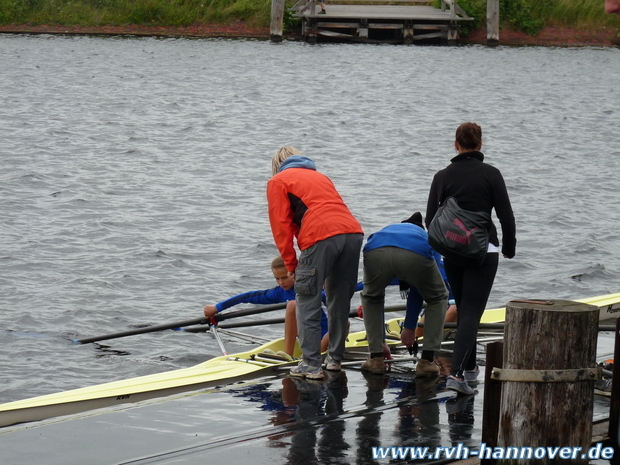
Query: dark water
point(133, 175)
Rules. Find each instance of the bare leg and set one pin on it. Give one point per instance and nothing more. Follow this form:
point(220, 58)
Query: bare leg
point(290, 327)
point(325, 340)
point(451, 314)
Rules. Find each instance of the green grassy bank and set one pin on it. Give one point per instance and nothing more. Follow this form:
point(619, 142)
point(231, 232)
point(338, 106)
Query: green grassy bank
point(531, 16)
point(143, 12)
point(527, 15)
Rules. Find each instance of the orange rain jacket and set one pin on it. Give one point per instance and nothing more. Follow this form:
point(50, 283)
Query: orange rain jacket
point(305, 204)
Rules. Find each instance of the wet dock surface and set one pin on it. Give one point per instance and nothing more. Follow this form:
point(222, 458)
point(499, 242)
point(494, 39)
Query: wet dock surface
point(276, 419)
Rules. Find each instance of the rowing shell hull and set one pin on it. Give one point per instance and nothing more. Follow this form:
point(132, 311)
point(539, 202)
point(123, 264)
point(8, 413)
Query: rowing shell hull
point(212, 373)
point(215, 372)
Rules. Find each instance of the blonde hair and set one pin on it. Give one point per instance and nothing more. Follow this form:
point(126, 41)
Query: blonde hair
point(277, 263)
point(281, 155)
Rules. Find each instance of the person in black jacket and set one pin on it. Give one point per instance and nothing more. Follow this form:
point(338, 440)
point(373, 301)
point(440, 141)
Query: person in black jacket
point(476, 186)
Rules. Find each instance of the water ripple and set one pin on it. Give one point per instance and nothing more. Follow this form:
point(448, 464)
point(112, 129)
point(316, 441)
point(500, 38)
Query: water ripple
point(133, 177)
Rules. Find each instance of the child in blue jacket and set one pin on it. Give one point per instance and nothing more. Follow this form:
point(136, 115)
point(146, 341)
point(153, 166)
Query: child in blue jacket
point(283, 292)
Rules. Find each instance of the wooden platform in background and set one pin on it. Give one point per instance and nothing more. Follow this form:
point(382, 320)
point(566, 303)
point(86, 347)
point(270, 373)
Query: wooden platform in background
point(403, 21)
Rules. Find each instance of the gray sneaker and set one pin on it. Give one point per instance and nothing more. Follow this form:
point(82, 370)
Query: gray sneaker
point(603, 387)
point(459, 386)
point(472, 375)
point(303, 370)
point(331, 364)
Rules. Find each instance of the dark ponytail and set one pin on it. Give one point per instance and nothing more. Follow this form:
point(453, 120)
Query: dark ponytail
point(469, 136)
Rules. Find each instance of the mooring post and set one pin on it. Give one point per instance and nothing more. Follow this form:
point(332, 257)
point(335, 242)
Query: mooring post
point(614, 409)
point(492, 399)
point(408, 32)
point(548, 378)
point(492, 22)
point(277, 20)
point(362, 30)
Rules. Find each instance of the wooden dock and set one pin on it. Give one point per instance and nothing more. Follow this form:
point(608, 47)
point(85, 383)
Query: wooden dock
point(380, 21)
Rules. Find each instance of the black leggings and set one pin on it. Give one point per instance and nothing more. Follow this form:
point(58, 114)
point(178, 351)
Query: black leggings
point(471, 288)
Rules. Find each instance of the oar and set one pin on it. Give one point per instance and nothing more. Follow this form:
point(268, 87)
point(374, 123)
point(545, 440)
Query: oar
point(273, 321)
point(244, 324)
point(148, 329)
point(249, 311)
point(179, 324)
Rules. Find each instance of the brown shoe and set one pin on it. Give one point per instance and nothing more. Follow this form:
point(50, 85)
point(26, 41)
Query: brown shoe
point(426, 368)
point(374, 365)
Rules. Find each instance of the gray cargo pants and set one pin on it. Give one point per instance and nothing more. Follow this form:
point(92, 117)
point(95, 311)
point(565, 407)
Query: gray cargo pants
point(333, 262)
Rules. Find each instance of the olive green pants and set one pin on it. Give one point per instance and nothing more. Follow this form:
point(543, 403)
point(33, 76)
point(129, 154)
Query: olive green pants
point(384, 264)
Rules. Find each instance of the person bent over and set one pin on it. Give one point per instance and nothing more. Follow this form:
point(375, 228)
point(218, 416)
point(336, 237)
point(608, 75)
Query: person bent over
point(402, 251)
point(305, 205)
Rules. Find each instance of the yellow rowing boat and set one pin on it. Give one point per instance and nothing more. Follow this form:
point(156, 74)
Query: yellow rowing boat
point(215, 372)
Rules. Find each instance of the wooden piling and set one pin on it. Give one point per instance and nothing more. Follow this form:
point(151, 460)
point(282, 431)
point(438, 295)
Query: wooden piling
point(492, 22)
point(492, 399)
point(277, 20)
point(548, 377)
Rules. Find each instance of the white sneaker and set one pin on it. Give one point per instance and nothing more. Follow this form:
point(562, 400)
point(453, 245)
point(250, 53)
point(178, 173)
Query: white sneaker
point(303, 370)
point(331, 364)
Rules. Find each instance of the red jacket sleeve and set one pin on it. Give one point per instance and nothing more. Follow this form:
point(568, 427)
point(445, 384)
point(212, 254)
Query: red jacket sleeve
point(281, 220)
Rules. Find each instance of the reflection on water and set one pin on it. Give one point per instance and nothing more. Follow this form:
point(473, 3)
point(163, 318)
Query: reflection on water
point(319, 402)
point(419, 422)
point(334, 421)
point(368, 431)
point(461, 420)
point(283, 420)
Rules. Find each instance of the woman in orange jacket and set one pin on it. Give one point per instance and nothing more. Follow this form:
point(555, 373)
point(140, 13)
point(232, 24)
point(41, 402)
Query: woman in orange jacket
point(305, 205)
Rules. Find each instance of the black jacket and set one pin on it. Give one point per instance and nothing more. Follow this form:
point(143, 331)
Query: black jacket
point(476, 186)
